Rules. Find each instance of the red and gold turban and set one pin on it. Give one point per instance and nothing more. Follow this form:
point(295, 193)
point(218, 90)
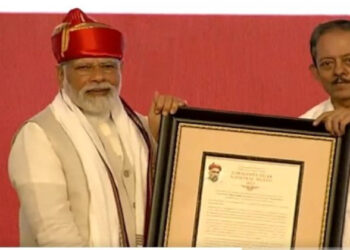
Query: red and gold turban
point(213, 165)
point(80, 36)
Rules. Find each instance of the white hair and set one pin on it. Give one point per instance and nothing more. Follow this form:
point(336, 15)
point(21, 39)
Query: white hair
point(96, 105)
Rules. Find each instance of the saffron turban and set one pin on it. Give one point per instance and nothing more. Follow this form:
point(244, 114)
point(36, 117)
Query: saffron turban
point(80, 36)
point(213, 165)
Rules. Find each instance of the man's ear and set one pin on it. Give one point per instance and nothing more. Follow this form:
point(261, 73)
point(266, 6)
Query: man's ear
point(314, 71)
point(60, 75)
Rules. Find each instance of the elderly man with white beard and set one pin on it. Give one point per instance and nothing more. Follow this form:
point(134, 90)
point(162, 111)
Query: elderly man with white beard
point(82, 167)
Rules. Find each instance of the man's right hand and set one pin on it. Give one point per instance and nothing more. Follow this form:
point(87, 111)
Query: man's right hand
point(334, 121)
point(162, 105)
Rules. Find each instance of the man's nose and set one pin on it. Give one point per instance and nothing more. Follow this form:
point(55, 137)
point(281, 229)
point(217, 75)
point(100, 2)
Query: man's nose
point(97, 74)
point(340, 69)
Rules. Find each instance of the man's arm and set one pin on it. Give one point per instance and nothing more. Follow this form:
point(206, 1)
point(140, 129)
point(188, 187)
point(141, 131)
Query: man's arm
point(36, 174)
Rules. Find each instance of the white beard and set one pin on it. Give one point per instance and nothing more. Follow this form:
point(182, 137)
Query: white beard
point(95, 105)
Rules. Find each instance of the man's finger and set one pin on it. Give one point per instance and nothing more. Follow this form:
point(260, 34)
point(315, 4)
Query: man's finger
point(329, 126)
point(336, 126)
point(319, 119)
point(159, 103)
point(168, 102)
point(343, 125)
point(176, 104)
point(153, 104)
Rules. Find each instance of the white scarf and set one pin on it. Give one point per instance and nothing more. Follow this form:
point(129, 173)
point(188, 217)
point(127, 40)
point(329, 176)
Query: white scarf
point(103, 216)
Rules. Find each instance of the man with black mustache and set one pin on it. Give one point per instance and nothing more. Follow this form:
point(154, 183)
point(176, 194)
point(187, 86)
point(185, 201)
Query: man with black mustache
point(330, 51)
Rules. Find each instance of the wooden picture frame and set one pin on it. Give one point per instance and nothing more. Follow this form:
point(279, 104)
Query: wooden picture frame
point(282, 182)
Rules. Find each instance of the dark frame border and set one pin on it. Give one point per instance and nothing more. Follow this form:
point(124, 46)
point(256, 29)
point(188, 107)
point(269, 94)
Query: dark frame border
point(166, 151)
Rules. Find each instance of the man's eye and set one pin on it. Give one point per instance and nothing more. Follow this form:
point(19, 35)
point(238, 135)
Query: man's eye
point(325, 64)
point(108, 66)
point(83, 67)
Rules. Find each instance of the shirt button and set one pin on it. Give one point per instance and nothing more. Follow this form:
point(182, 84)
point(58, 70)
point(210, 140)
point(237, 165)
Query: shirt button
point(126, 173)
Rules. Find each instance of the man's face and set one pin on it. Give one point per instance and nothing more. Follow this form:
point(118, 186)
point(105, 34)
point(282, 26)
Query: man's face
point(333, 65)
point(91, 83)
point(214, 174)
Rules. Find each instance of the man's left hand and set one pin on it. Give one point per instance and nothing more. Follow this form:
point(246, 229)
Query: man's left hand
point(162, 105)
point(335, 121)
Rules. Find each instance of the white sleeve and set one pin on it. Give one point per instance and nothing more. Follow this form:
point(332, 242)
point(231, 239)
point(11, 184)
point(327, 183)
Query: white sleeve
point(36, 173)
point(318, 110)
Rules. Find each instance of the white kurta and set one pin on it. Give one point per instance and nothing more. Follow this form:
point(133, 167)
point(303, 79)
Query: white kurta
point(313, 113)
point(36, 165)
point(38, 175)
point(319, 109)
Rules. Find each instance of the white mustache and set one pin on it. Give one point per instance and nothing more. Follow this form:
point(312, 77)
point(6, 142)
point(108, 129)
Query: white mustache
point(97, 86)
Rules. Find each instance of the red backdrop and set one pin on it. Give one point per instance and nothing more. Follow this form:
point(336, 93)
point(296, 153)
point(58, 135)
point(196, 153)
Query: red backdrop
point(255, 64)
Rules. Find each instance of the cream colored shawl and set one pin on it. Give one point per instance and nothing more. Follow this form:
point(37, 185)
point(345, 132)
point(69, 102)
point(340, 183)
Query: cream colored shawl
point(103, 216)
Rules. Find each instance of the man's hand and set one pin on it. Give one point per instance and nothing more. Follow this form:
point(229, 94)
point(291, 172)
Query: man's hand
point(162, 105)
point(335, 121)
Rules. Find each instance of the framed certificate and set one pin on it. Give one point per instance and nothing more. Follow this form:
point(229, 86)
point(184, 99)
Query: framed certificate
point(240, 180)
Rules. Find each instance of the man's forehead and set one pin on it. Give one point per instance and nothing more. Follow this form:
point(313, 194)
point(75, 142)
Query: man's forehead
point(93, 60)
point(333, 43)
point(214, 170)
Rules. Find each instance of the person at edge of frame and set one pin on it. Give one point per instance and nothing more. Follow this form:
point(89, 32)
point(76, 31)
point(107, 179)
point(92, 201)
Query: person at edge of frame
point(330, 52)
